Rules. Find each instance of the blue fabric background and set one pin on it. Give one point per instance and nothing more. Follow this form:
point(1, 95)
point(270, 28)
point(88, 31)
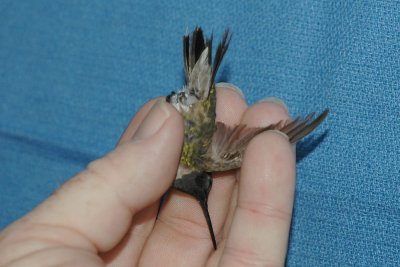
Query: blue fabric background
point(72, 73)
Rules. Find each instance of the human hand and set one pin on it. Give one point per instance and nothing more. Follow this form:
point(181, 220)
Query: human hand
point(106, 214)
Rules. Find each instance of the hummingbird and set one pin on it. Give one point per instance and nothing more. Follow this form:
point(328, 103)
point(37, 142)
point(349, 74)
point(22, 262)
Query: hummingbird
point(210, 146)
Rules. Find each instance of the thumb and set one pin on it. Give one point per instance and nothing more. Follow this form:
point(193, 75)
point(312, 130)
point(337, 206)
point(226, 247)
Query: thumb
point(95, 208)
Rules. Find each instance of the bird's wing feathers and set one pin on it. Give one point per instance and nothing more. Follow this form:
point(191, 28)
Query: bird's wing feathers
point(299, 128)
point(229, 142)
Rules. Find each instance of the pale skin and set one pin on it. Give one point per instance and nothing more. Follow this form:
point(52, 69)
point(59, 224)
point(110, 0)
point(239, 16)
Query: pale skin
point(106, 215)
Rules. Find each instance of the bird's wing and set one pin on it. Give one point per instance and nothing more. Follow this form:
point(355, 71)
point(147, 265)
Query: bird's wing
point(229, 142)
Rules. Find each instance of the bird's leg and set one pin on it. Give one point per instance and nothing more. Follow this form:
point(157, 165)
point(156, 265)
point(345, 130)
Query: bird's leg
point(168, 97)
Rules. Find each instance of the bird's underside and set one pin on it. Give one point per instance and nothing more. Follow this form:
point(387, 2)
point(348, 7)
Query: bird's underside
point(211, 146)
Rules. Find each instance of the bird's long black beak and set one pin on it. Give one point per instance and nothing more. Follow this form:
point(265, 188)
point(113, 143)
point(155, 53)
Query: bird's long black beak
point(204, 207)
point(198, 184)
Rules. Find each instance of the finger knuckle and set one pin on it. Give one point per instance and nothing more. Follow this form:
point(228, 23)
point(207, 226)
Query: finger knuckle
point(243, 256)
point(264, 211)
point(187, 227)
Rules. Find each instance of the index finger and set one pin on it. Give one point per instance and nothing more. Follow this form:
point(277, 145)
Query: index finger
point(261, 222)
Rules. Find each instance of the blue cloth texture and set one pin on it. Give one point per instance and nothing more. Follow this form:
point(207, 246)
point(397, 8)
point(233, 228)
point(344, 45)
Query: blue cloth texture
point(73, 73)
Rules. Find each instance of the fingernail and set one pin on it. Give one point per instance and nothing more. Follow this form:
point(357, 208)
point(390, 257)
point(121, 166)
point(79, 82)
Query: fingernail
point(153, 121)
point(287, 138)
point(273, 99)
point(231, 86)
point(280, 133)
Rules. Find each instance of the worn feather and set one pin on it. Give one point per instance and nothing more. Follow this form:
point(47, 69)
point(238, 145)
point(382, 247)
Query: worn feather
point(229, 142)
